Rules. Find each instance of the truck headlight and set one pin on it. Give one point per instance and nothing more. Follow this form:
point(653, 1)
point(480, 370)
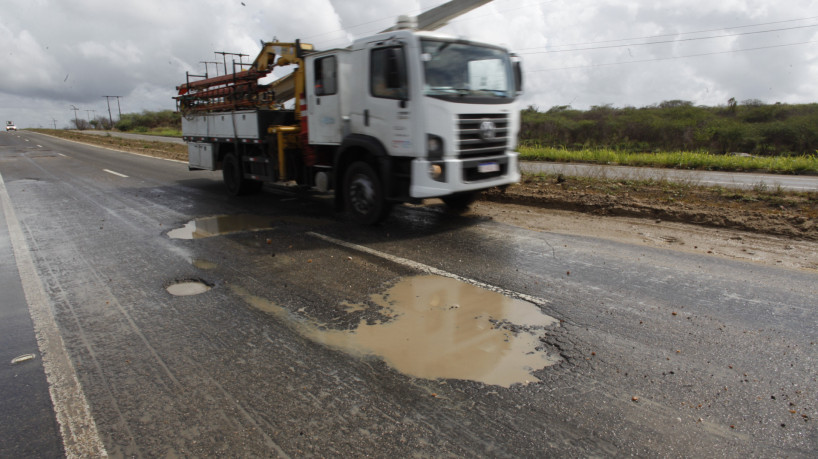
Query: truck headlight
point(434, 147)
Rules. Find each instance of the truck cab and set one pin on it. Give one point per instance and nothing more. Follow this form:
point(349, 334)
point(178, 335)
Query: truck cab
point(10, 126)
point(434, 116)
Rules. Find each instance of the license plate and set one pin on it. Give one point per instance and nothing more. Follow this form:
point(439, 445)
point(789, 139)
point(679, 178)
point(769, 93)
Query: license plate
point(484, 168)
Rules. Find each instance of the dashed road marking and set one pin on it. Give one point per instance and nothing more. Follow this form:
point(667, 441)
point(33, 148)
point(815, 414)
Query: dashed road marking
point(115, 173)
point(429, 269)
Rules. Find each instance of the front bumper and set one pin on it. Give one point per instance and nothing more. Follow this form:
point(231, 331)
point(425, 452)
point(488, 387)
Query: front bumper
point(463, 175)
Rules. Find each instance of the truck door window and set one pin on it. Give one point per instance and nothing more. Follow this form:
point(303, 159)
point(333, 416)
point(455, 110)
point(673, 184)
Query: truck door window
point(388, 73)
point(326, 76)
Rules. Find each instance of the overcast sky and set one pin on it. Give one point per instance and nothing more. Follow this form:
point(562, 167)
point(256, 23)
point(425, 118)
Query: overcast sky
point(62, 53)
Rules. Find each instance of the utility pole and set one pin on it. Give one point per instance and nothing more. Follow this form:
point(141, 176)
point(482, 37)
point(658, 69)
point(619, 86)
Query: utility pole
point(55, 123)
point(88, 112)
point(76, 121)
point(110, 117)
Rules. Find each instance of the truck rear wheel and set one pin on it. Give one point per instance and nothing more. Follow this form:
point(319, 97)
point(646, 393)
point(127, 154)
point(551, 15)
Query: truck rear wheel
point(234, 180)
point(363, 194)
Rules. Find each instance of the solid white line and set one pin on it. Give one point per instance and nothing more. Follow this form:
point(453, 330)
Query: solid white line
point(115, 173)
point(429, 269)
point(77, 427)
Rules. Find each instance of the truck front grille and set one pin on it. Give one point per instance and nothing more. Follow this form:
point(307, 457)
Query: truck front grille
point(476, 138)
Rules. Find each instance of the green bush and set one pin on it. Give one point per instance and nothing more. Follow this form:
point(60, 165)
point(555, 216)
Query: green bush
point(148, 121)
point(750, 127)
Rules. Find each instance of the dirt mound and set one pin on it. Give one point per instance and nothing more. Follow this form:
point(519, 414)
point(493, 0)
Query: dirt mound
point(771, 212)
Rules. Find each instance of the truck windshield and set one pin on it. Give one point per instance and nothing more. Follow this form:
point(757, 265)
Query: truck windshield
point(465, 72)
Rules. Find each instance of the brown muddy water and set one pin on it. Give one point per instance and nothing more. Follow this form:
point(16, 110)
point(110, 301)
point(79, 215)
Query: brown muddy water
point(438, 327)
point(221, 225)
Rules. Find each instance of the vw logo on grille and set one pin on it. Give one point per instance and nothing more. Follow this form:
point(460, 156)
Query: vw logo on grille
point(488, 130)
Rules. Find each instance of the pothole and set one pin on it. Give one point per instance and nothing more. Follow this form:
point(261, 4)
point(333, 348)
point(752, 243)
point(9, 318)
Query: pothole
point(221, 225)
point(438, 327)
point(188, 287)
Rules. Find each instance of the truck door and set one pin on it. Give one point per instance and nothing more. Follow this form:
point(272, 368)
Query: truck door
point(324, 120)
point(387, 114)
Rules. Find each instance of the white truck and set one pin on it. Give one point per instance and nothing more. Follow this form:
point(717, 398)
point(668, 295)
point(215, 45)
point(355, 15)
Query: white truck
point(10, 126)
point(396, 117)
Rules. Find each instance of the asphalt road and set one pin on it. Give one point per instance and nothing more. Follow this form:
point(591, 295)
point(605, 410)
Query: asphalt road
point(307, 342)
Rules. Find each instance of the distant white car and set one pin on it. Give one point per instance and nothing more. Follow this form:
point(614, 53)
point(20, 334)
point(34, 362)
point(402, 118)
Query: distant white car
point(10, 126)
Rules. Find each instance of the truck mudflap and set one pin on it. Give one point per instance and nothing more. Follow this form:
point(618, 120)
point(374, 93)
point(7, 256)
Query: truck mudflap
point(431, 179)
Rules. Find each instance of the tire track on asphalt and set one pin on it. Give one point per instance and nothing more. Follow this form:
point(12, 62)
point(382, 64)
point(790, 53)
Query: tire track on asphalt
point(77, 426)
point(129, 215)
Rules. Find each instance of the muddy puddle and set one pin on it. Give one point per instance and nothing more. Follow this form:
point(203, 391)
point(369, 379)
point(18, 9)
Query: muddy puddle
point(221, 225)
point(436, 327)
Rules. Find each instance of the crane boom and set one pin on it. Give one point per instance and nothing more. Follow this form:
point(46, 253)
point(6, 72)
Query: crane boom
point(440, 15)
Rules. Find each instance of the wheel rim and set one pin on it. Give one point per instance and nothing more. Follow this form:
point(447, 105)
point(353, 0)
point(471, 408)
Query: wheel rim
point(362, 194)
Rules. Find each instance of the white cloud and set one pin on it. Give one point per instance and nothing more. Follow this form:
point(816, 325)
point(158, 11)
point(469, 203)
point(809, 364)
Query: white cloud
point(59, 53)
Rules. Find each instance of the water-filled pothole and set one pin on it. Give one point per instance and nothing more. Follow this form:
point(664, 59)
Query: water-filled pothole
point(188, 287)
point(437, 327)
point(221, 225)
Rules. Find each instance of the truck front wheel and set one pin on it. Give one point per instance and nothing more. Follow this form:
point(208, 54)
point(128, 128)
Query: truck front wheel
point(363, 194)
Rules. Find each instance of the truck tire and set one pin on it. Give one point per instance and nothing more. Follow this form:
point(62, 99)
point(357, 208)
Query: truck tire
point(363, 194)
point(460, 202)
point(234, 180)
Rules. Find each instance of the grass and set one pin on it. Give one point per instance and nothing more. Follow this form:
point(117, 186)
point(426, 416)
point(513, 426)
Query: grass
point(162, 132)
point(675, 160)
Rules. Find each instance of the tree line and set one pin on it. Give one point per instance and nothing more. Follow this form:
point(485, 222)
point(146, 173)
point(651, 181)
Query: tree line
point(146, 121)
point(747, 127)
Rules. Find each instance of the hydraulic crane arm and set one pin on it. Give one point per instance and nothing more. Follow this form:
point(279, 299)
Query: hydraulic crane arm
point(439, 16)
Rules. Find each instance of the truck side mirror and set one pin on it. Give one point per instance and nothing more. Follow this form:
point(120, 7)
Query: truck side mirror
point(518, 74)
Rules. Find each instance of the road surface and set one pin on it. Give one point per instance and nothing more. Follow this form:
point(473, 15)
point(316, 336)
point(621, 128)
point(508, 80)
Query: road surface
point(195, 324)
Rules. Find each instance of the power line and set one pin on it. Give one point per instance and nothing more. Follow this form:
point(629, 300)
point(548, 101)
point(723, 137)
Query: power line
point(670, 41)
point(670, 58)
point(677, 34)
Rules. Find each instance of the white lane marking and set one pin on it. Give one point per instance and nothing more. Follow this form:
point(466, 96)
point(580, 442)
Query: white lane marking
point(429, 269)
point(64, 156)
point(39, 146)
point(77, 427)
point(114, 149)
point(115, 173)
